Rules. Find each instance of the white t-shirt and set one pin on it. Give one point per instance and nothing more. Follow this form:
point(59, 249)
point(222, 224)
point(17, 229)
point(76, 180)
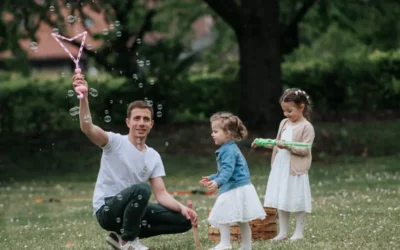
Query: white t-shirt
point(123, 165)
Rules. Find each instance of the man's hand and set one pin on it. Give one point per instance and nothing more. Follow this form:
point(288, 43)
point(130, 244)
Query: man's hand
point(204, 180)
point(79, 79)
point(190, 214)
point(212, 186)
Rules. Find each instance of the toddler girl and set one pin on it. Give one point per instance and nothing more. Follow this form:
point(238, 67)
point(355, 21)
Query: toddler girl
point(238, 202)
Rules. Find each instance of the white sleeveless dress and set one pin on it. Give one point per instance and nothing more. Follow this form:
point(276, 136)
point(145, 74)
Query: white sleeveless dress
point(287, 192)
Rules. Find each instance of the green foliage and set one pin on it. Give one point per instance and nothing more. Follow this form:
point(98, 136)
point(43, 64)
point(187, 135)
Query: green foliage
point(341, 73)
point(32, 105)
point(39, 104)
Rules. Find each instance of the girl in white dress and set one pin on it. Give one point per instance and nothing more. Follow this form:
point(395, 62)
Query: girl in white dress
point(288, 187)
point(238, 202)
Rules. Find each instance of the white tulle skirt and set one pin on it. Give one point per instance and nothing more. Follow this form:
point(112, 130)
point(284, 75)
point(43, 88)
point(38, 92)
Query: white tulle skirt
point(241, 204)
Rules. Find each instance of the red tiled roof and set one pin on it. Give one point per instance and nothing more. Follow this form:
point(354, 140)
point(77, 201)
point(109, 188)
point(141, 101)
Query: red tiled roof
point(48, 48)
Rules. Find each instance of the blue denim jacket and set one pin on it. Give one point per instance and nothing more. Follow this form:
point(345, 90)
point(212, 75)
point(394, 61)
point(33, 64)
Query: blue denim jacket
point(233, 171)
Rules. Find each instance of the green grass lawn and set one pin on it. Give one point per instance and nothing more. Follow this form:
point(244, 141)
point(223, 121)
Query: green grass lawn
point(355, 206)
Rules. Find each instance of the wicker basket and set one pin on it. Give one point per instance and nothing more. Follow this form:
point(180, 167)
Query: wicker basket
point(261, 229)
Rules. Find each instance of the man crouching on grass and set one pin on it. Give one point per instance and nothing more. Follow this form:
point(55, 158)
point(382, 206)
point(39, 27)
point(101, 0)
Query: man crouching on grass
point(121, 195)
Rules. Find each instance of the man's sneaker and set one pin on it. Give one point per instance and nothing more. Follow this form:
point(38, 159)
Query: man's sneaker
point(134, 245)
point(114, 240)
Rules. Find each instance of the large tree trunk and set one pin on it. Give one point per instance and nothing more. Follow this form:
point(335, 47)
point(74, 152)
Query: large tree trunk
point(260, 59)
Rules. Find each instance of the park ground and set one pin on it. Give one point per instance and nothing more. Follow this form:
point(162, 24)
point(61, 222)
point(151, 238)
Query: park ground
point(46, 186)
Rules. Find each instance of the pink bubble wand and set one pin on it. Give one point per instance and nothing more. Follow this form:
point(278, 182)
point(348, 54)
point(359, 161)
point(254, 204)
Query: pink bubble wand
point(80, 89)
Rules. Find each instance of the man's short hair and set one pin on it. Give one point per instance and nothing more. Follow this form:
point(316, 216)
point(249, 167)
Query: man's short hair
point(140, 105)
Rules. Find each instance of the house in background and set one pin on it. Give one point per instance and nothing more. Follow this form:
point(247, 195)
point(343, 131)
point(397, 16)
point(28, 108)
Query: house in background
point(46, 54)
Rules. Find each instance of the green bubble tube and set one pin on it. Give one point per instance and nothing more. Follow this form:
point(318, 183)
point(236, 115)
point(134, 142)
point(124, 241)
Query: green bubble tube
point(266, 142)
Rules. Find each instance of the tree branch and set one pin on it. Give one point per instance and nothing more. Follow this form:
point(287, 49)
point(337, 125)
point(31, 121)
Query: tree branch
point(297, 19)
point(145, 27)
point(228, 10)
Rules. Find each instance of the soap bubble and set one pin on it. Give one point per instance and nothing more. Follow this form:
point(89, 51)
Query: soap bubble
point(107, 118)
point(93, 92)
point(74, 111)
point(33, 45)
point(71, 19)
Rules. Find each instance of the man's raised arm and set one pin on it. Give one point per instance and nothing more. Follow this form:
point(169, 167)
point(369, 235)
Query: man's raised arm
point(93, 132)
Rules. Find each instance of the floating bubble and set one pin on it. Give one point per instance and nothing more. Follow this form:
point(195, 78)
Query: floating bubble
point(148, 226)
point(135, 205)
point(112, 26)
point(159, 107)
point(119, 33)
point(140, 85)
point(74, 111)
point(106, 112)
point(139, 197)
point(166, 144)
point(147, 62)
point(117, 23)
point(107, 118)
point(120, 101)
point(150, 102)
point(71, 18)
point(122, 230)
point(138, 41)
point(141, 63)
point(87, 119)
point(159, 114)
point(70, 93)
point(118, 220)
point(52, 8)
point(33, 45)
point(68, 5)
point(135, 76)
point(62, 74)
point(111, 101)
point(89, 46)
point(106, 208)
point(93, 92)
point(151, 81)
point(105, 32)
point(144, 223)
point(119, 197)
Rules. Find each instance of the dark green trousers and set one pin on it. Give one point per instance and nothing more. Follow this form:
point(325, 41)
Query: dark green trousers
point(130, 214)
